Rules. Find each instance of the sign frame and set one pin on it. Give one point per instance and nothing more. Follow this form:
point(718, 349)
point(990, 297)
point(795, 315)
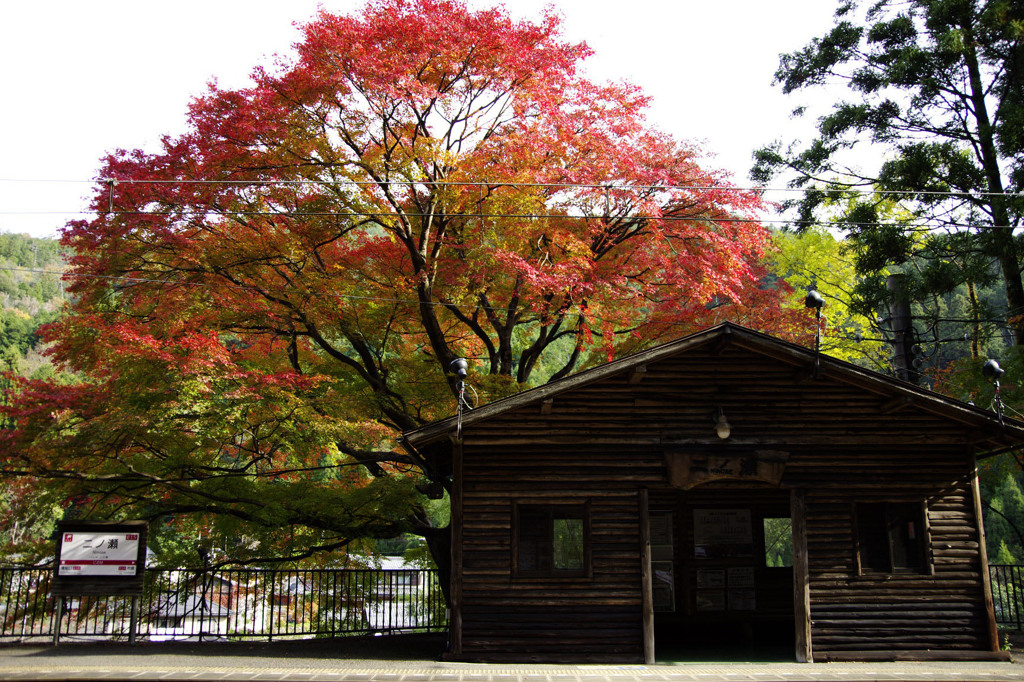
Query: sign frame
point(100, 585)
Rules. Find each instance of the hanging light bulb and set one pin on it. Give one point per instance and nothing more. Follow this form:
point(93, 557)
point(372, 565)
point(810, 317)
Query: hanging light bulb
point(722, 427)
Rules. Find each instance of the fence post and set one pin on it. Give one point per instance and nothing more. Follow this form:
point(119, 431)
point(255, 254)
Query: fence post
point(272, 611)
point(133, 620)
point(59, 609)
point(202, 602)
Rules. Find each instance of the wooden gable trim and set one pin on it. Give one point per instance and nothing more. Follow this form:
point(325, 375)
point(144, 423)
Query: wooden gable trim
point(890, 390)
point(895, 405)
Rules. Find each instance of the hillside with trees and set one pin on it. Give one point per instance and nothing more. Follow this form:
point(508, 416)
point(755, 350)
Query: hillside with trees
point(31, 295)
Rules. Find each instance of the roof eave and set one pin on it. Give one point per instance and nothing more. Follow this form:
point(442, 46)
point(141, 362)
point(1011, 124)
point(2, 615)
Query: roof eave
point(1010, 431)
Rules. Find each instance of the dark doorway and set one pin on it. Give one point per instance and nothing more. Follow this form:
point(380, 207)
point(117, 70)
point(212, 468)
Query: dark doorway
point(722, 571)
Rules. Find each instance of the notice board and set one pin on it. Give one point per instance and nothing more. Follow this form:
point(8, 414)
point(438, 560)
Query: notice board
point(100, 558)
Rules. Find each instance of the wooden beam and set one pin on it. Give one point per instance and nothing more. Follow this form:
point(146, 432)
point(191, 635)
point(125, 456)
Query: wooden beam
point(455, 587)
point(896, 404)
point(801, 576)
point(646, 581)
point(546, 405)
point(637, 375)
point(990, 611)
point(719, 345)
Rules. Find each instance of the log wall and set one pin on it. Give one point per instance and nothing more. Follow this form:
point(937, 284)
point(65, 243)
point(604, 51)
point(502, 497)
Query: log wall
point(606, 441)
point(536, 619)
point(941, 609)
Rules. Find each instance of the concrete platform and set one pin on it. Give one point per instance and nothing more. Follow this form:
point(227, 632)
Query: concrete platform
point(326, 661)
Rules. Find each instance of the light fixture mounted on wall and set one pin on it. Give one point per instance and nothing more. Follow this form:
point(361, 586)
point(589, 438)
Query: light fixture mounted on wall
point(815, 302)
point(992, 371)
point(722, 427)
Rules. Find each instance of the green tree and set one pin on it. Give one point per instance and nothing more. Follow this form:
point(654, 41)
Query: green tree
point(815, 258)
point(936, 89)
point(1004, 511)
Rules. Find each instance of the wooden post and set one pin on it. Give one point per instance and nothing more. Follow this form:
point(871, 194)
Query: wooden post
point(986, 578)
point(59, 616)
point(455, 589)
point(133, 620)
point(646, 587)
point(801, 580)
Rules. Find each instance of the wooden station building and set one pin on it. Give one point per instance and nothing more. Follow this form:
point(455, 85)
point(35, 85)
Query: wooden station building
point(727, 489)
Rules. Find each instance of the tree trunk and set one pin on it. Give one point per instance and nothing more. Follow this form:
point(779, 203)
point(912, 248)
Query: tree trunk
point(1004, 247)
point(972, 294)
point(440, 545)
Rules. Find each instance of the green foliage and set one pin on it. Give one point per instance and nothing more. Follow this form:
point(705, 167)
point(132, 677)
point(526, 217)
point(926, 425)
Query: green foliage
point(1004, 556)
point(816, 259)
point(30, 297)
point(778, 542)
point(936, 89)
point(27, 522)
point(1002, 484)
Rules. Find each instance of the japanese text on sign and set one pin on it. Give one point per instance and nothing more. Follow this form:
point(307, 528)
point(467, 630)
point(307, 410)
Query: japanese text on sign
point(89, 554)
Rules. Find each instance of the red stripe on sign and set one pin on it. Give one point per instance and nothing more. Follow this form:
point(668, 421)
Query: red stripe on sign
point(98, 562)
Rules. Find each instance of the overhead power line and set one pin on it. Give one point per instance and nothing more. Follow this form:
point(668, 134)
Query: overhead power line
point(760, 189)
point(918, 226)
point(403, 301)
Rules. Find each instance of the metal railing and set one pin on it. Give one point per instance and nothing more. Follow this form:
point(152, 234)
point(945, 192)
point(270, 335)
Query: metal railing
point(1008, 595)
point(227, 605)
point(273, 604)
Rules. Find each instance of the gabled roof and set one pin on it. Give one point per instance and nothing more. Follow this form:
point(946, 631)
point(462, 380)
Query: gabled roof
point(993, 435)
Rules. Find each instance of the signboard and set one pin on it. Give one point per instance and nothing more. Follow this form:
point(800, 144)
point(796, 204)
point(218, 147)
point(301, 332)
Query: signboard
point(100, 558)
point(688, 469)
point(103, 553)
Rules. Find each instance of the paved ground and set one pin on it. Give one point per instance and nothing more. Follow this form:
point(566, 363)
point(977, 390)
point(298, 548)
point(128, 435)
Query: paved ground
point(325, 661)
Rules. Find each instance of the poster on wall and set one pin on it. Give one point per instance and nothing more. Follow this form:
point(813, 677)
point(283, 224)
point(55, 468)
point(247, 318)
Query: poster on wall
point(710, 600)
point(741, 576)
point(713, 578)
point(722, 533)
point(661, 536)
point(663, 587)
point(742, 600)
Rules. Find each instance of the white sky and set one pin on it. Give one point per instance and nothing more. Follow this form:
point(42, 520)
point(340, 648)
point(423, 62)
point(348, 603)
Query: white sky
point(82, 78)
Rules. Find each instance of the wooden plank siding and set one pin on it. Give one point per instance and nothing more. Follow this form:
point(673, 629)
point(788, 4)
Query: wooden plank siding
point(852, 612)
point(525, 619)
point(604, 440)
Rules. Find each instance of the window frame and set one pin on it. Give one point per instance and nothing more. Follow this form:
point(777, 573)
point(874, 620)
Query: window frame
point(550, 508)
point(891, 509)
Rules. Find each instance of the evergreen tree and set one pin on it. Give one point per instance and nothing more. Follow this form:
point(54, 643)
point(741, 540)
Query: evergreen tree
point(937, 88)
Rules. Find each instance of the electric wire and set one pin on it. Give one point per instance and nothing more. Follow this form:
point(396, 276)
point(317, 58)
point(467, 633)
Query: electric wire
point(927, 227)
point(606, 188)
point(416, 302)
point(610, 187)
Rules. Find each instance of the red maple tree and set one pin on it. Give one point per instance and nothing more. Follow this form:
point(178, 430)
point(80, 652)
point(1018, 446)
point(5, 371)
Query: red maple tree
point(264, 304)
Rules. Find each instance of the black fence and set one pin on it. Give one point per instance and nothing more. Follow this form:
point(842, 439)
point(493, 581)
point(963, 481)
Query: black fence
point(226, 605)
point(1008, 595)
point(279, 604)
